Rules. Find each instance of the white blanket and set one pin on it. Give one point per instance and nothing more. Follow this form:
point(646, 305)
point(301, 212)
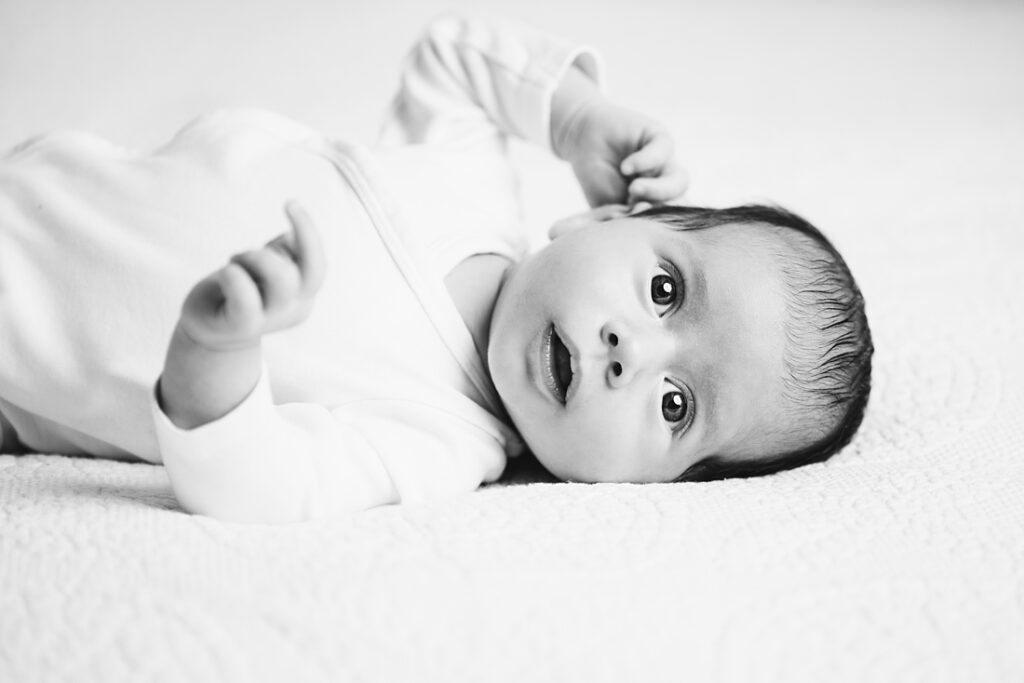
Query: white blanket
point(899, 129)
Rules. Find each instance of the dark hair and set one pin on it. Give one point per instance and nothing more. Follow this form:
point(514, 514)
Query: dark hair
point(828, 327)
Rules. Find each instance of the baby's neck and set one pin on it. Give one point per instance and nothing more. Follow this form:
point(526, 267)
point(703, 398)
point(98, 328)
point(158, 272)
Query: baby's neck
point(474, 285)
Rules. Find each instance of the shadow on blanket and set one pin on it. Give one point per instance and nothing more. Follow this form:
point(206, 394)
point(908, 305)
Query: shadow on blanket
point(525, 469)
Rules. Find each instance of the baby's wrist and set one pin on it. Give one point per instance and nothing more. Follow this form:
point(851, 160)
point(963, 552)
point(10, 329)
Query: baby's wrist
point(199, 384)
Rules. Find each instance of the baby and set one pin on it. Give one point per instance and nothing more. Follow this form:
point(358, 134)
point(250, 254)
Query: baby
point(396, 342)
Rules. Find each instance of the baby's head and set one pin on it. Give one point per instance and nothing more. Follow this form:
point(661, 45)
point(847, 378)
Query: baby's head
point(682, 343)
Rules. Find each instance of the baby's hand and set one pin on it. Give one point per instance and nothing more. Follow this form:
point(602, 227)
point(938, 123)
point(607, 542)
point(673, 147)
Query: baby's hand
point(620, 156)
point(258, 291)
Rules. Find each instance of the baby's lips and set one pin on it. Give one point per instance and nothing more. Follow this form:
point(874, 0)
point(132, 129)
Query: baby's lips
point(575, 366)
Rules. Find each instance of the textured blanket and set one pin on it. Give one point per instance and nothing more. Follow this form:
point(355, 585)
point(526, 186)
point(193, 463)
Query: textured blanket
point(898, 128)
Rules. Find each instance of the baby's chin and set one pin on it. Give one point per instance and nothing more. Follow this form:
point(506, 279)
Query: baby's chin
point(578, 464)
point(558, 469)
point(550, 457)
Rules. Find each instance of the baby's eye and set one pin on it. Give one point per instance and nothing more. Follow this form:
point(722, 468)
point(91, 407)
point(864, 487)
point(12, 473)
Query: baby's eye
point(663, 290)
point(673, 406)
point(666, 289)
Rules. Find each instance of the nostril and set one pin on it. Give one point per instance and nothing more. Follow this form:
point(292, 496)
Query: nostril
point(617, 368)
point(613, 339)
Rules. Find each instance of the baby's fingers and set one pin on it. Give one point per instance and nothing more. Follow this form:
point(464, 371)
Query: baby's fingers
point(224, 309)
point(240, 304)
point(653, 155)
point(672, 183)
point(275, 275)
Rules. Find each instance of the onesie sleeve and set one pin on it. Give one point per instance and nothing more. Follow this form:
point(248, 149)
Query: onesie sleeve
point(468, 80)
point(278, 463)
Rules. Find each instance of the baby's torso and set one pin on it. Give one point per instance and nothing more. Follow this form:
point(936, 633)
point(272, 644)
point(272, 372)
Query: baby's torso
point(102, 244)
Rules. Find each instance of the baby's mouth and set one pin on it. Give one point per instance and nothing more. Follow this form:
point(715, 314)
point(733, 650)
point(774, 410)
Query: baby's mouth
point(557, 364)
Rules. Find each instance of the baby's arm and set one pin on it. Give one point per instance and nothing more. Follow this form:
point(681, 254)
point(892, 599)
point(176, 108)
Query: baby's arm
point(214, 360)
point(229, 450)
point(470, 82)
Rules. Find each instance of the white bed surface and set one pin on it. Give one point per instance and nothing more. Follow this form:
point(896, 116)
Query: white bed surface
point(897, 127)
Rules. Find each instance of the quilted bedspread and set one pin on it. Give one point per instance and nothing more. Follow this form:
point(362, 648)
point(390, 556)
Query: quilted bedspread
point(897, 127)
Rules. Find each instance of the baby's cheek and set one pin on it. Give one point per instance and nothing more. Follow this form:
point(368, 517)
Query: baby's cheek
point(604, 446)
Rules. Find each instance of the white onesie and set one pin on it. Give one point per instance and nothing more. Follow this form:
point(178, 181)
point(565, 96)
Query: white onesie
point(380, 396)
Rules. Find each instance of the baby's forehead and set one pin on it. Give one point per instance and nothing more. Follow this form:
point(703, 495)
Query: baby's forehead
point(793, 262)
point(751, 237)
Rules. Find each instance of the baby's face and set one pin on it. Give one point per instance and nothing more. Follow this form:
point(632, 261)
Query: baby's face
point(628, 351)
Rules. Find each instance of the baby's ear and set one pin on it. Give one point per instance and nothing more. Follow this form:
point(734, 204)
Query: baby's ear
point(582, 220)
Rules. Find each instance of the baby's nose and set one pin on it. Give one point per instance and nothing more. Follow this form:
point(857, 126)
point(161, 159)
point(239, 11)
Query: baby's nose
point(633, 351)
